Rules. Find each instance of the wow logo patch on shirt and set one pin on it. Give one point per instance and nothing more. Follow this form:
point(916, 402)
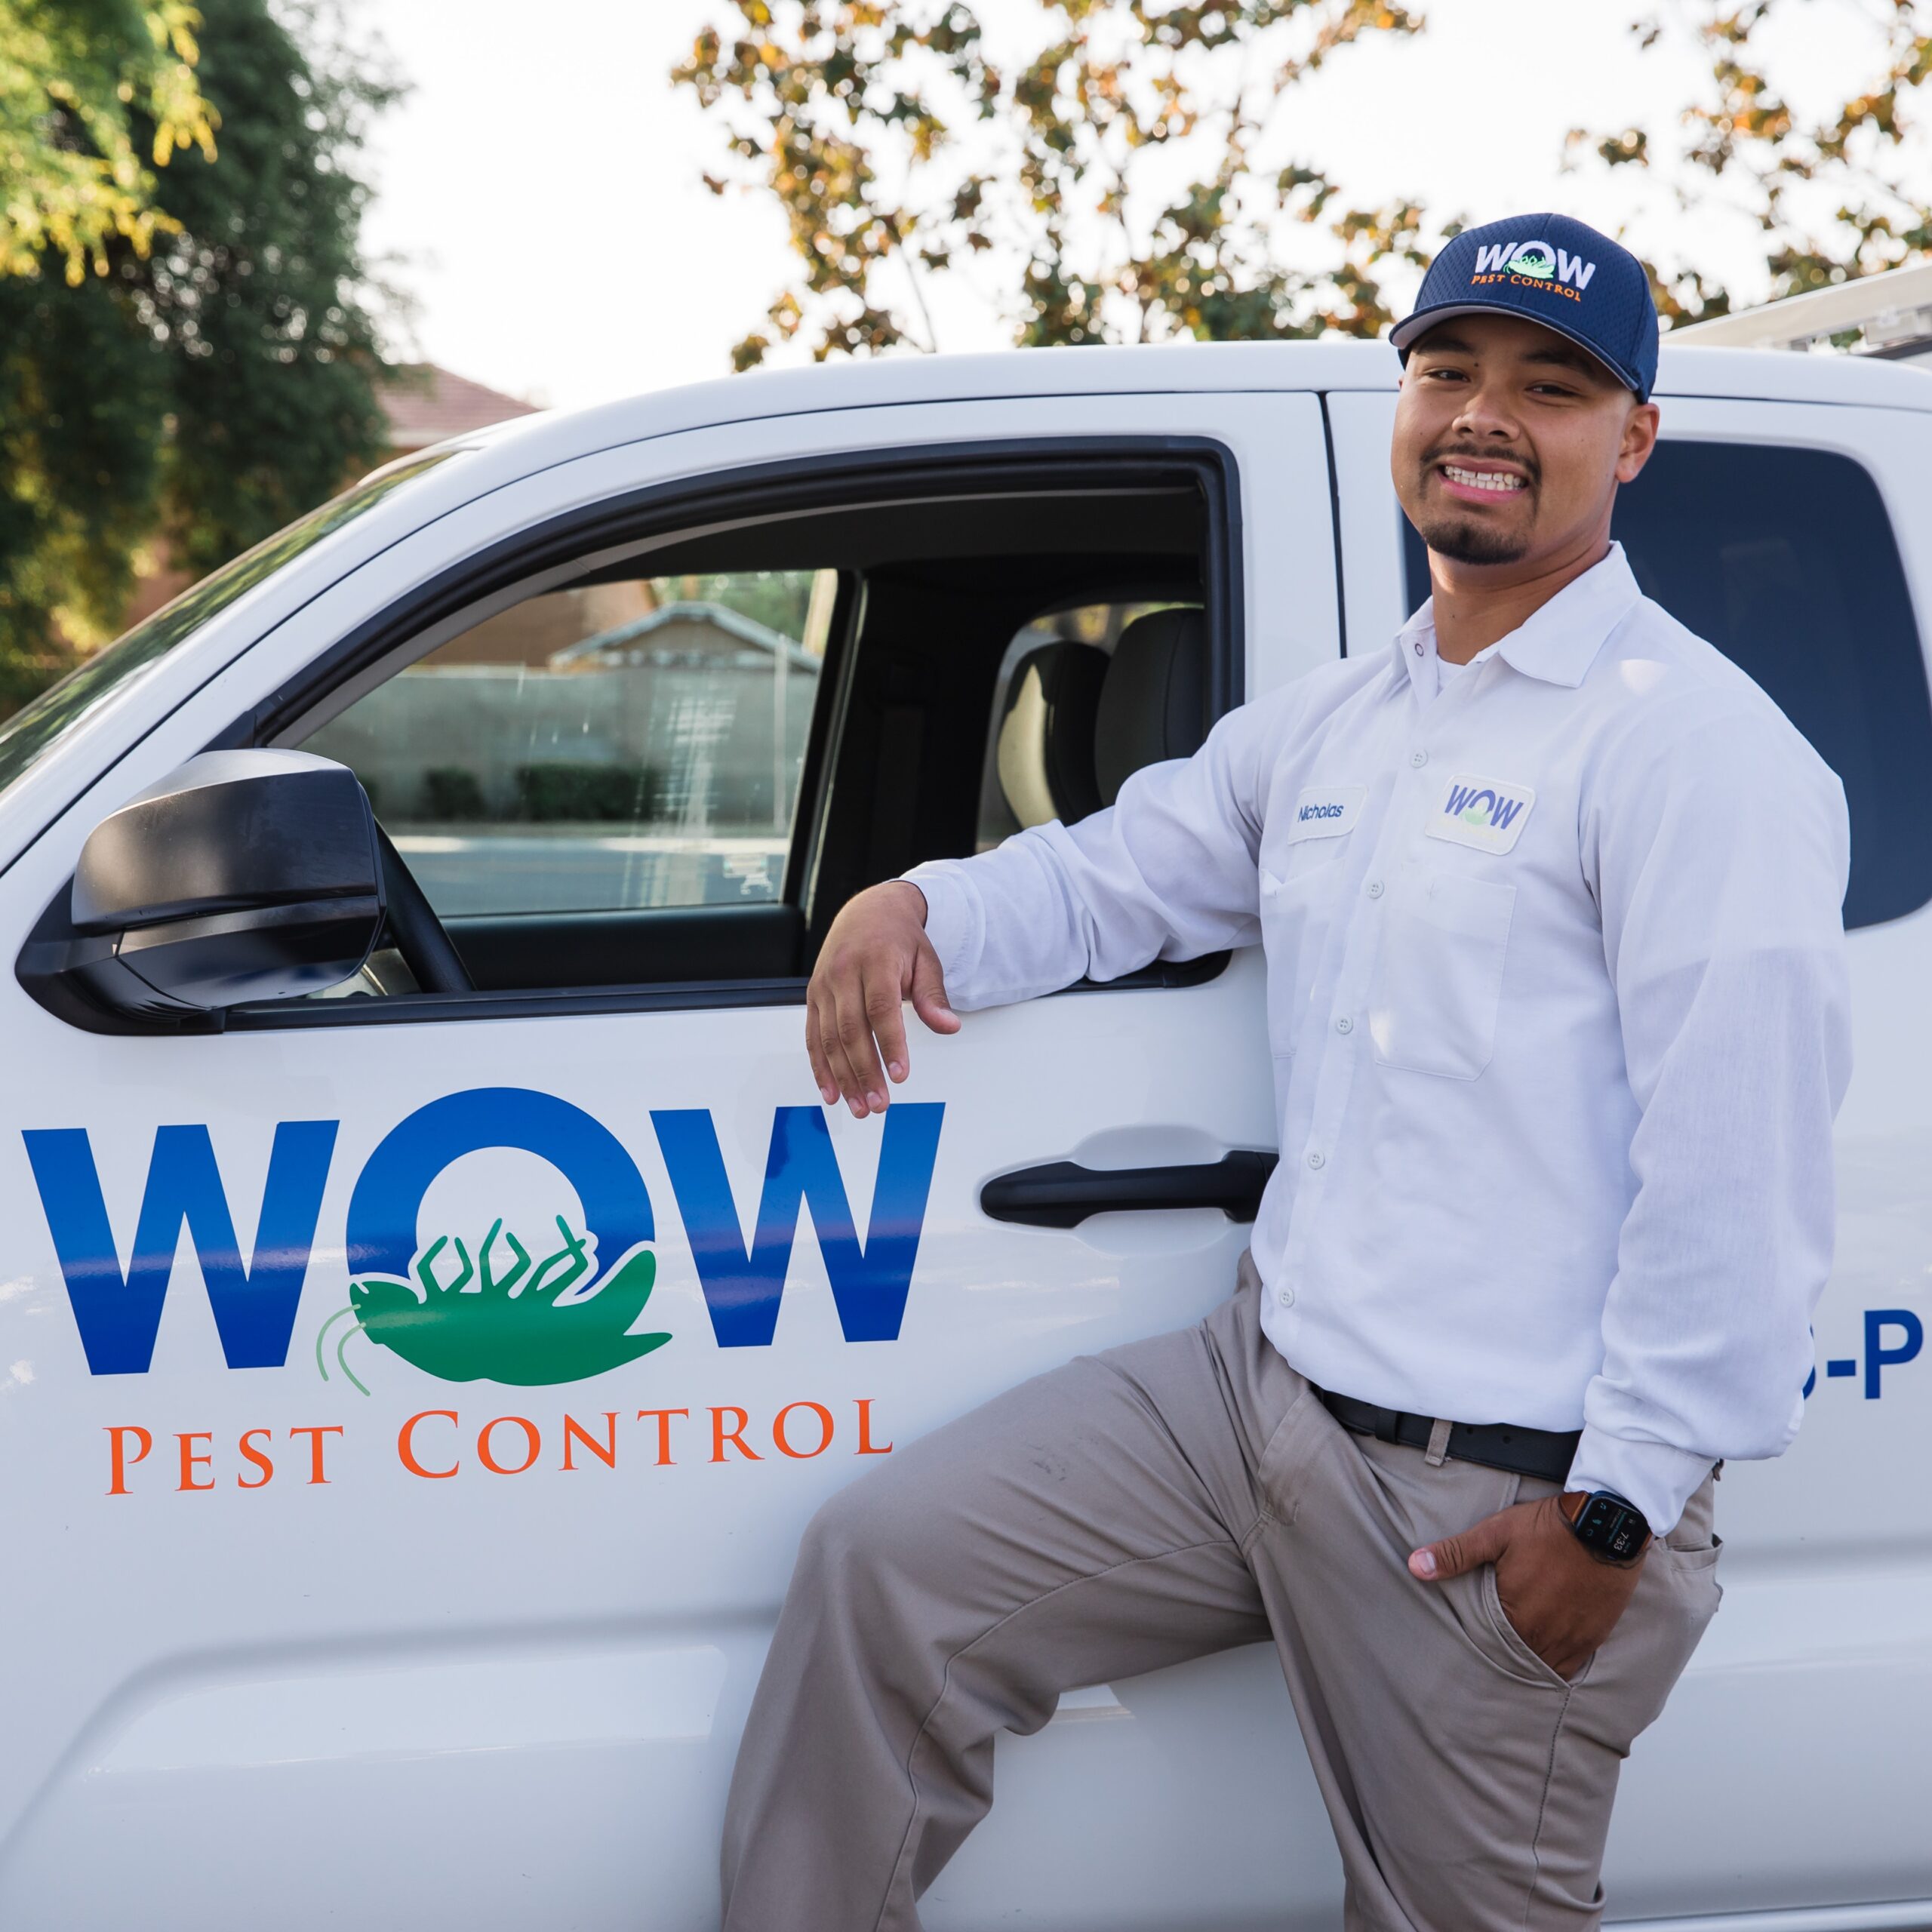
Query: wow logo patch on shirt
point(1486, 814)
point(1326, 811)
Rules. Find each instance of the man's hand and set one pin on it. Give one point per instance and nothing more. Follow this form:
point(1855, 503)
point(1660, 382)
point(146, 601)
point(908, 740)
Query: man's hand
point(876, 956)
point(1561, 1600)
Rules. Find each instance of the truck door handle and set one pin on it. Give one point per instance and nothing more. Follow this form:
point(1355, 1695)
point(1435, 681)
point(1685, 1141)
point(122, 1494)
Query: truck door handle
point(1062, 1194)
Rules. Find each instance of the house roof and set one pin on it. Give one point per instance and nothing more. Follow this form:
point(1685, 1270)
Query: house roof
point(426, 404)
point(621, 642)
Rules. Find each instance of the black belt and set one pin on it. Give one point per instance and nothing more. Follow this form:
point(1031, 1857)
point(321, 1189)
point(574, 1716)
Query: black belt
point(1546, 1454)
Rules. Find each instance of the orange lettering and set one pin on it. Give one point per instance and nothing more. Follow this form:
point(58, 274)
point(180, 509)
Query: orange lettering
point(255, 1457)
point(314, 1436)
point(824, 1430)
point(606, 1451)
point(118, 1461)
point(405, 1446)
point(866, 1447)
point(664, 1457)
point(720, 1435)
point(190, 1462)
point(533, 1442)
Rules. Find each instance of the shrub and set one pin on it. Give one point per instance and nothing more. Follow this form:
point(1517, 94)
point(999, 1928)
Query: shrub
point(623, 793)
point(449, 792)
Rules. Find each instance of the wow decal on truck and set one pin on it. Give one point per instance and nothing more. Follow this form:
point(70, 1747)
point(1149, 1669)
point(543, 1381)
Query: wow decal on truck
point(488, 1309)
point(483, 1302)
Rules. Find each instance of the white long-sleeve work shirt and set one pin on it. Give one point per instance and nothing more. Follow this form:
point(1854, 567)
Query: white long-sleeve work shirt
point(1558, 1004)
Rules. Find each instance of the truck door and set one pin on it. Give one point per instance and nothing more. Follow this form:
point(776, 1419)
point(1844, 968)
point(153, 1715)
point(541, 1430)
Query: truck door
point(411, 1399)
point(1790, 1766)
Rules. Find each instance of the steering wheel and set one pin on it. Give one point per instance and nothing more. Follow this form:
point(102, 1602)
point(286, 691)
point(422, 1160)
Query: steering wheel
point(416, 932)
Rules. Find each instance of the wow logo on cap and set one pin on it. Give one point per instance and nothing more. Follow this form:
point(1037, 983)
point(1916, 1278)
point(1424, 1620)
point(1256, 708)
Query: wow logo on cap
point(1537, 261)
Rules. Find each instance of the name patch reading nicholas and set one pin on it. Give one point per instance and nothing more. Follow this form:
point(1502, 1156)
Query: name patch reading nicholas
point(1488, 814)
point(1326, 811)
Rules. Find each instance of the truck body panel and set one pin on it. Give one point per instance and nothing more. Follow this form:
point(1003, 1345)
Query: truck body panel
point(303, 1629)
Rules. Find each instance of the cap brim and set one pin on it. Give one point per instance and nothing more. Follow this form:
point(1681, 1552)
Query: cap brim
point(1410, 327)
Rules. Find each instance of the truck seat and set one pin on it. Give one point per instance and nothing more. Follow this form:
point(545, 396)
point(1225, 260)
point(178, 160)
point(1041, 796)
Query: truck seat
point(1079, 721)
point(1045, 753)
point(1153, 704)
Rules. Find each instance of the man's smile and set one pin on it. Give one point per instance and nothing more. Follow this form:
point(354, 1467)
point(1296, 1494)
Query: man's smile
point(1478, 482)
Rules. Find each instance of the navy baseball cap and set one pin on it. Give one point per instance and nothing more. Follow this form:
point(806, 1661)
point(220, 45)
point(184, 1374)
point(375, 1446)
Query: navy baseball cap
point(1553, 270)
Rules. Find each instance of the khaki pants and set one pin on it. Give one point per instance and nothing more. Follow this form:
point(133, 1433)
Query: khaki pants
point(1174, 1497)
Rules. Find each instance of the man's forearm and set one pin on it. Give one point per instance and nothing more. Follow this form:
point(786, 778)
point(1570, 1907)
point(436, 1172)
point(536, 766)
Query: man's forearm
point(1003, 925)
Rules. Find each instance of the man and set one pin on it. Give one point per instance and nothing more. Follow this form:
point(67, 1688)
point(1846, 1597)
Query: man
point(1550, 897)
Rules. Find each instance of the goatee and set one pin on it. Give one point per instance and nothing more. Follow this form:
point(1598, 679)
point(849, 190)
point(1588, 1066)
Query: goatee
point(1468, 543)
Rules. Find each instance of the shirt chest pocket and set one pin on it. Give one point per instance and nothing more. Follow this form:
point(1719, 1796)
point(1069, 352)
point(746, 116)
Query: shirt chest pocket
point(1297, 914)
point(1438, 972)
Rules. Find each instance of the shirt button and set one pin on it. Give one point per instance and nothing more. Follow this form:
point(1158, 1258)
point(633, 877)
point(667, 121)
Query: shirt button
point(1375, 888)
point(1285, 1296)
point(1345, 1025)
point(1315, 1157)
point(1418, 759)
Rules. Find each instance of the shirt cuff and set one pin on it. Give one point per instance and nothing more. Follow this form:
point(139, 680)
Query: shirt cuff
point(952, 916)
point(1655, 1479)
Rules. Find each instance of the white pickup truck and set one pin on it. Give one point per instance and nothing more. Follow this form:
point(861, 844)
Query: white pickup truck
point(434, 1298)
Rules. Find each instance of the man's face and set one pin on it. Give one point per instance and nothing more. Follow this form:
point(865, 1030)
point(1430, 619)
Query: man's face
point(1510, 441)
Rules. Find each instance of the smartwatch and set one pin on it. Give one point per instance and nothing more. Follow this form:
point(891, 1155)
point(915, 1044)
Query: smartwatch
point(1607, 1526)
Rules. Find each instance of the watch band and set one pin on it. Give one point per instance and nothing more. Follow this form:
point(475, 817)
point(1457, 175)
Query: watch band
point(1612, 1531)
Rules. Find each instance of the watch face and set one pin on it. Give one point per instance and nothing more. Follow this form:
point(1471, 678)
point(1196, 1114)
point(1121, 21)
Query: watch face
point(1606, 1524)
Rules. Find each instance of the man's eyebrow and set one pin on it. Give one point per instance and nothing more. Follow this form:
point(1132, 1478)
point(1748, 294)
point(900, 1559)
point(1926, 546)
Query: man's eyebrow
point(1436, 342)
point(1568, 358)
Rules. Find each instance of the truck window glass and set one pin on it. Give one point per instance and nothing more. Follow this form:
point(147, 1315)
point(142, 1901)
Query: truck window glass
point(671, 771)
point(608, 747)
point(38, 723)
point(1784, 558)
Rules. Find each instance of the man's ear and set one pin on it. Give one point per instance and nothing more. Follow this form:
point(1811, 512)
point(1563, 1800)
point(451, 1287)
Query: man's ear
point(1640, 438)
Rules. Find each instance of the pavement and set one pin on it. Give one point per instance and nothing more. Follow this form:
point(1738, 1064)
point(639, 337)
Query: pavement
point(578, 868)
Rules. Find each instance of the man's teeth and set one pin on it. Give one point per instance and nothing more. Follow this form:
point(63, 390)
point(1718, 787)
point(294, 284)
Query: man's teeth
point(1501, 481)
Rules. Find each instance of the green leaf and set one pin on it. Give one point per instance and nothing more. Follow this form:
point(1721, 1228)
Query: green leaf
point(215, 379)
point(469, 1326)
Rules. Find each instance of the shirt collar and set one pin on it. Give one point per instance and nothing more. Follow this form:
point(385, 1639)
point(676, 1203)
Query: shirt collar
point(1558, 642)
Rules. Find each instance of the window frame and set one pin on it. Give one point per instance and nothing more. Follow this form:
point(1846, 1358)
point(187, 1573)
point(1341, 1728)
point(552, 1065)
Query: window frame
point(754, 493)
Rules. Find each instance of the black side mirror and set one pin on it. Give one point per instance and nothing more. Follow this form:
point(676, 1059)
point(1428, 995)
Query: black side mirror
point(244, 876)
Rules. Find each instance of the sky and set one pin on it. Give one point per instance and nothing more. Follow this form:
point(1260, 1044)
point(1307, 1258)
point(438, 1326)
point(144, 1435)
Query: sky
point(539, 193)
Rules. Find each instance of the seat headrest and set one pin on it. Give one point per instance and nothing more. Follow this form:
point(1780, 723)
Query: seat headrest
point(1045, 750)
point(1154, 703)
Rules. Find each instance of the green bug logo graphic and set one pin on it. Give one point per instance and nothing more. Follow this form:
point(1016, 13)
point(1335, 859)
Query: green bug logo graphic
point(495, 1312)
point(1534, 258)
